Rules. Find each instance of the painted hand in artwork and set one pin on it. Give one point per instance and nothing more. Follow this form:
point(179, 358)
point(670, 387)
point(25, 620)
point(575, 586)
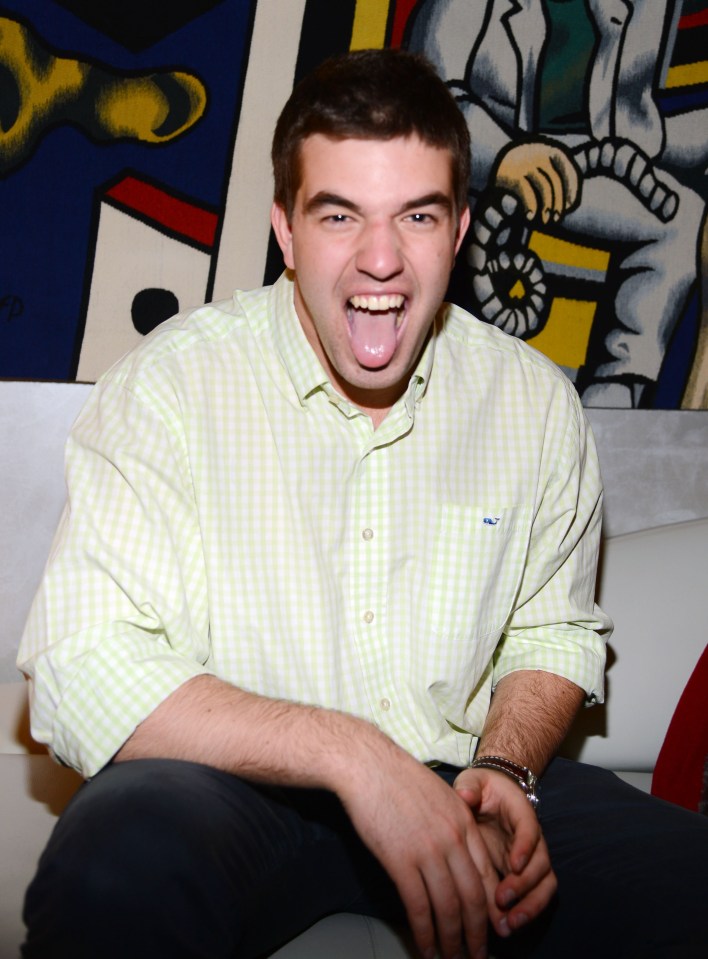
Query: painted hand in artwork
point(543, 176)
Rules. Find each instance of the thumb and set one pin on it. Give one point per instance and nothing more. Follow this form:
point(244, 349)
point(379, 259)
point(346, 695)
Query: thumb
point(469, 791)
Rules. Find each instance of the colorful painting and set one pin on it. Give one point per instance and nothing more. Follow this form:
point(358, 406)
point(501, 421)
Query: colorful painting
point(135, 181)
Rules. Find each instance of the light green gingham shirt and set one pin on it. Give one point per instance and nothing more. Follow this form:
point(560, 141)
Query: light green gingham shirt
point(230, 513)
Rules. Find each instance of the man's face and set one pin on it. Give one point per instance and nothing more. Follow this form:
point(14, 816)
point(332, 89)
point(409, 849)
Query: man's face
point(372, 240)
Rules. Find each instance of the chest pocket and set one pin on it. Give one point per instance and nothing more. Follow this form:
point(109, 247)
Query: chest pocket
point(477, 567)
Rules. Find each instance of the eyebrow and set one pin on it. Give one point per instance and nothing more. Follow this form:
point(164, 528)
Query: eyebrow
point(436, 198)
point(323, 198)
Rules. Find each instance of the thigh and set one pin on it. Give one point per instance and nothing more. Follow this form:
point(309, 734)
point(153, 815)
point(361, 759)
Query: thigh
point(162, 858)
point(632, 871)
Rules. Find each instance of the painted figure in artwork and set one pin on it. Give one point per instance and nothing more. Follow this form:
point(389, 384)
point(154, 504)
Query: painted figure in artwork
point(559, 96)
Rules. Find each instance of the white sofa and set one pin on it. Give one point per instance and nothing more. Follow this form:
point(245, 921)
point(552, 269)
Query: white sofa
point(651, 584)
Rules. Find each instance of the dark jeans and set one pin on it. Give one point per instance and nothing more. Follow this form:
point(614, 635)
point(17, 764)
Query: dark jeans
point(156, 858)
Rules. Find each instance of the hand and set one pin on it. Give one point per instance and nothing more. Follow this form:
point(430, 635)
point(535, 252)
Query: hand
point(518, 851)
point(424, 834)
point(543, 176)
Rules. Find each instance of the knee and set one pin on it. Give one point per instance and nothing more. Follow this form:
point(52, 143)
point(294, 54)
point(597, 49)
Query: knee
point(137, 847)
point(110, 837)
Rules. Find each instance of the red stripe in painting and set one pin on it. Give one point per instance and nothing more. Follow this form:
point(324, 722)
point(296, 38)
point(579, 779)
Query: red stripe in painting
point(179, 216)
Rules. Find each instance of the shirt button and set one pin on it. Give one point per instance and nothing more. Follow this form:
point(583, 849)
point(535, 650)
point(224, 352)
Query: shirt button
point(368, 616)
point(385, 704)
point(368, 534)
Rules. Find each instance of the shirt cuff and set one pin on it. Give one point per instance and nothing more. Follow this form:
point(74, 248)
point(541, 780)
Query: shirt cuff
point(117, 685)
point(582, 663)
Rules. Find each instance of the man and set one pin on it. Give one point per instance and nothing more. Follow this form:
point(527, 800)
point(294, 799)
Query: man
point(330, 549)
point(537, 79)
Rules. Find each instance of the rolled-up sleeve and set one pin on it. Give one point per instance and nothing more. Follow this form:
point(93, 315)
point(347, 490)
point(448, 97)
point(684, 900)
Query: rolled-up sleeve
point(121, 618)
point(556, 625)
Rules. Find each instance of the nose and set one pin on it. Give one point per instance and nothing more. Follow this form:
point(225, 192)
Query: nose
point(379, 253)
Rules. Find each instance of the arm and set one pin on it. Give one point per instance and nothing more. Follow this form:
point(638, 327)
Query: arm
point(529, 715)
point(550, 659)
point(422, 832)
point(121, 617)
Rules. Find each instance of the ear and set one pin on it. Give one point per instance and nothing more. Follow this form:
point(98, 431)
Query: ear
point(462, 227)
point(283, 233)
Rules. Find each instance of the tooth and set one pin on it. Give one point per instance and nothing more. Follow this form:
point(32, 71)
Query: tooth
point(393, 301)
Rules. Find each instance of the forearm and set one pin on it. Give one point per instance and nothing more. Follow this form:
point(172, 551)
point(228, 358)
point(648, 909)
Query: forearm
point(529, 716)
point(210, 721)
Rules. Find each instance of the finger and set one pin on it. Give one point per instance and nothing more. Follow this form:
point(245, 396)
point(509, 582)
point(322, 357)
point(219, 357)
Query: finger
point(485, 868)
point(543, 186)
point(529, 197)
point(515, 886)
point(471, 793)
point(416, 902)
point(528, 908)
point(554, 193)
point(446, 896)
point(520, 825)
point(569, 177)
point(526, 837)
point(524, 897)
point(473, 906)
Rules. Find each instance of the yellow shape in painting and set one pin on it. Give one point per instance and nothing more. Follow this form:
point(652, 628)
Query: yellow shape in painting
point(145, 107)
point(564, 338)
point(687, 75)
point(154, 107)
point(553, 250)
point(369, 27)
point(518, 291)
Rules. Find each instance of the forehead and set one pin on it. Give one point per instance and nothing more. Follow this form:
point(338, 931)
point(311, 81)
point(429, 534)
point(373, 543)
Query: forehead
point(375, 168)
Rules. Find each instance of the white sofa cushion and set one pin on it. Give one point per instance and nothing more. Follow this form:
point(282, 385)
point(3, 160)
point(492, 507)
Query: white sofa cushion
point(652, 584)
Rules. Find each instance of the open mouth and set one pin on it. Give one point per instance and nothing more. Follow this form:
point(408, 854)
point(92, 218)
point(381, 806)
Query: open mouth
point(375, 326)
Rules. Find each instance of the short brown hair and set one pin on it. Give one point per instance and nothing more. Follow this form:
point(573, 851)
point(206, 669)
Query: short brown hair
point(370, 95)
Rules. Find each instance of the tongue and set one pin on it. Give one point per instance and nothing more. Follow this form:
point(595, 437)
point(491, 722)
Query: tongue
point(373, 336)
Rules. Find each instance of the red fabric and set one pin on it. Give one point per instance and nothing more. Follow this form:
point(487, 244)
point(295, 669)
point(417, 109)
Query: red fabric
point(678, 775)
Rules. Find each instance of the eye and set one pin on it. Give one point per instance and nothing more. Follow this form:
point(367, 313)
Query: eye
point(420, 218)
point(337, 218)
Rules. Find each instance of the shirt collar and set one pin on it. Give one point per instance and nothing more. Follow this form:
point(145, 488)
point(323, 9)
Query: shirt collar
point(305, 370)
point(297, 356)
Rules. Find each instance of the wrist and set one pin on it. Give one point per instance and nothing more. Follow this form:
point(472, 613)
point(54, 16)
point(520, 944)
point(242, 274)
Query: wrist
point(522, 775)
point(359, 752)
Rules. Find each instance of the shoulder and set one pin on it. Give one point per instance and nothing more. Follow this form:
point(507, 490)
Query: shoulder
point(176, 373)
point(190, 339)
point(481, 343)
point(489, 370)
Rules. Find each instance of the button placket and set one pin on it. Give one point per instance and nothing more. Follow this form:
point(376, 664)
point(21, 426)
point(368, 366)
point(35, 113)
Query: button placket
point(369, 577)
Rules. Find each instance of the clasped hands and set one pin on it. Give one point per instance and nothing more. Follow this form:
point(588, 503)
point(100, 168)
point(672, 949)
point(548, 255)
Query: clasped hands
point(460, 857)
